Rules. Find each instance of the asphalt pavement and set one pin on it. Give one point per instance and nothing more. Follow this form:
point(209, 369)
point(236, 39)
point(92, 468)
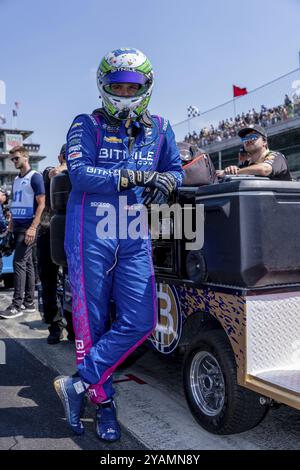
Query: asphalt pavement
point(31, 416)
point(151, 405)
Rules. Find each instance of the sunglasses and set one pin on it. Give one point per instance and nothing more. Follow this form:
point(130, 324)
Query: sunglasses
point(250, 137)
point(15, 159)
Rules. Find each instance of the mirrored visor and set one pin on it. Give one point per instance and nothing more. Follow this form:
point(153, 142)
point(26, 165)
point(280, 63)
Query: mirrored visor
point(124, 76)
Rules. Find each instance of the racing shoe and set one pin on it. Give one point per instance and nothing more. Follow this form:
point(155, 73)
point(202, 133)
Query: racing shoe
point(107, 426)
point(71, 391)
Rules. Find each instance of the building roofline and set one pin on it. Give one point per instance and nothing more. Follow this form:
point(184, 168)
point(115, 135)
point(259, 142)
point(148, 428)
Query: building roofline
point(24, 133)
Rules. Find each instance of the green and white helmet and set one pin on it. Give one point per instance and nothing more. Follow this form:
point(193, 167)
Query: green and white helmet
point(125, 65)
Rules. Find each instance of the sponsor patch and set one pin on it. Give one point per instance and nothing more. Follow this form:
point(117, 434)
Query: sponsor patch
point(77, 133)
point(76, 124)
point(167, 333)
point(93, 120)
point(114, 129)
point(99, 204)
point(74, 155)
point(113, 140)
point(76, 164)
point(74, 141)
point(75, 148)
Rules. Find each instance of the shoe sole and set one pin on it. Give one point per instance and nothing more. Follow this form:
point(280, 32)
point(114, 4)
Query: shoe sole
point(29, 310)
point(108, 441)
point(60, 389)
point(11, 316)
point(53, 341)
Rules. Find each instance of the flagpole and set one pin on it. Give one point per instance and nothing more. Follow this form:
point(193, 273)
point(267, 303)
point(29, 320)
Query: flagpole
point(234, 108)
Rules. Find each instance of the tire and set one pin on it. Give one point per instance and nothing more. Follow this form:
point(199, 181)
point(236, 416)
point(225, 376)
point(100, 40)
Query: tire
point(8, 280)
point(209, 364)
point(57, 238)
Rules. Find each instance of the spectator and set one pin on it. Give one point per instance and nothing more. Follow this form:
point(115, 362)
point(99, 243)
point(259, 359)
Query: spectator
point(27, 206)
point(287, 100)
point(296, 101)
point(229, 128)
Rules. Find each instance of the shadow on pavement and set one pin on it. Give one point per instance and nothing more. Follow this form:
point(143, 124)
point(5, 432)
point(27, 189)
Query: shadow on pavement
point(29, 406)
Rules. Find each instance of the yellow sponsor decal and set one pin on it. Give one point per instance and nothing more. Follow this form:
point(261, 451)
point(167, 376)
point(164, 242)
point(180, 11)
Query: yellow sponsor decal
point(113, 140)
point(77, 124)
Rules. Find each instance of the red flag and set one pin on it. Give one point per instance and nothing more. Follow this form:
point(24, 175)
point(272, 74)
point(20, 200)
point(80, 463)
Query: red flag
point(237, 91)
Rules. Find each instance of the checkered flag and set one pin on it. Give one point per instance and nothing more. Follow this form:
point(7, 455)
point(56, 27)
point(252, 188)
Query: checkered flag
point(193, 111)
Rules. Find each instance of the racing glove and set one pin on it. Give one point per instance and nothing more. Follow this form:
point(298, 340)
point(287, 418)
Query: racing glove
point(153, 196)
point(164, 182)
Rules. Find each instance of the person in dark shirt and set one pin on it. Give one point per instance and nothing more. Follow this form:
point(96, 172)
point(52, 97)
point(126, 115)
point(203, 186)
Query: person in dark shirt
point(48, 271)
point(242, 157)
point(261, 160)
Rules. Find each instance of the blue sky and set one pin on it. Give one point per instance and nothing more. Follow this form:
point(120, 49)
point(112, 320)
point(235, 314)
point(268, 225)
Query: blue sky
point(50, 51)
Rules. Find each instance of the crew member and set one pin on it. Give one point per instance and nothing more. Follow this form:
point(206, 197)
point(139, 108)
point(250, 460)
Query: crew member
point(261, 160)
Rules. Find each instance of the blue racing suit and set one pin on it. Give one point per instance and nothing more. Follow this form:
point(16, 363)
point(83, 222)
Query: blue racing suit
point(115, 267)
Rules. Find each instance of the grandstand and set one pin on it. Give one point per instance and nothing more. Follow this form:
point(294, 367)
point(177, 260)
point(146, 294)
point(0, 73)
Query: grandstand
point(216, 129)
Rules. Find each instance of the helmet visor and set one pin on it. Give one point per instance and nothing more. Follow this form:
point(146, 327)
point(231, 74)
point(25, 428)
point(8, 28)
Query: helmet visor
point(126, 77)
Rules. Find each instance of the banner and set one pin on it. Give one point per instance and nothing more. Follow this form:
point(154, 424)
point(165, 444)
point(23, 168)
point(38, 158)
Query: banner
point(12, 140)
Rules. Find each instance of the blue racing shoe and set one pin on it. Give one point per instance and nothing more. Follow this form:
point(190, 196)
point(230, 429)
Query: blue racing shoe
point(107, 426)
point(71, 391)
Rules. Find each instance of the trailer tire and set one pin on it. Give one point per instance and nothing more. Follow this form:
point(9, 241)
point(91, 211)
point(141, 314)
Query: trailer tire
point(217, 402)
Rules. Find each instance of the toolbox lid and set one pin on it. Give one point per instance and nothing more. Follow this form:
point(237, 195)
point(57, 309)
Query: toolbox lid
point(239, 184)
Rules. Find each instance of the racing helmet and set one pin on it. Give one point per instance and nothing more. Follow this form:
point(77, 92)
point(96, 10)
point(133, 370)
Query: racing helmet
point(125, 65)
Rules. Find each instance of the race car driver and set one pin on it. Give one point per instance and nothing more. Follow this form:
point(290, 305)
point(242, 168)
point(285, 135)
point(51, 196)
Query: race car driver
point(119, 150)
